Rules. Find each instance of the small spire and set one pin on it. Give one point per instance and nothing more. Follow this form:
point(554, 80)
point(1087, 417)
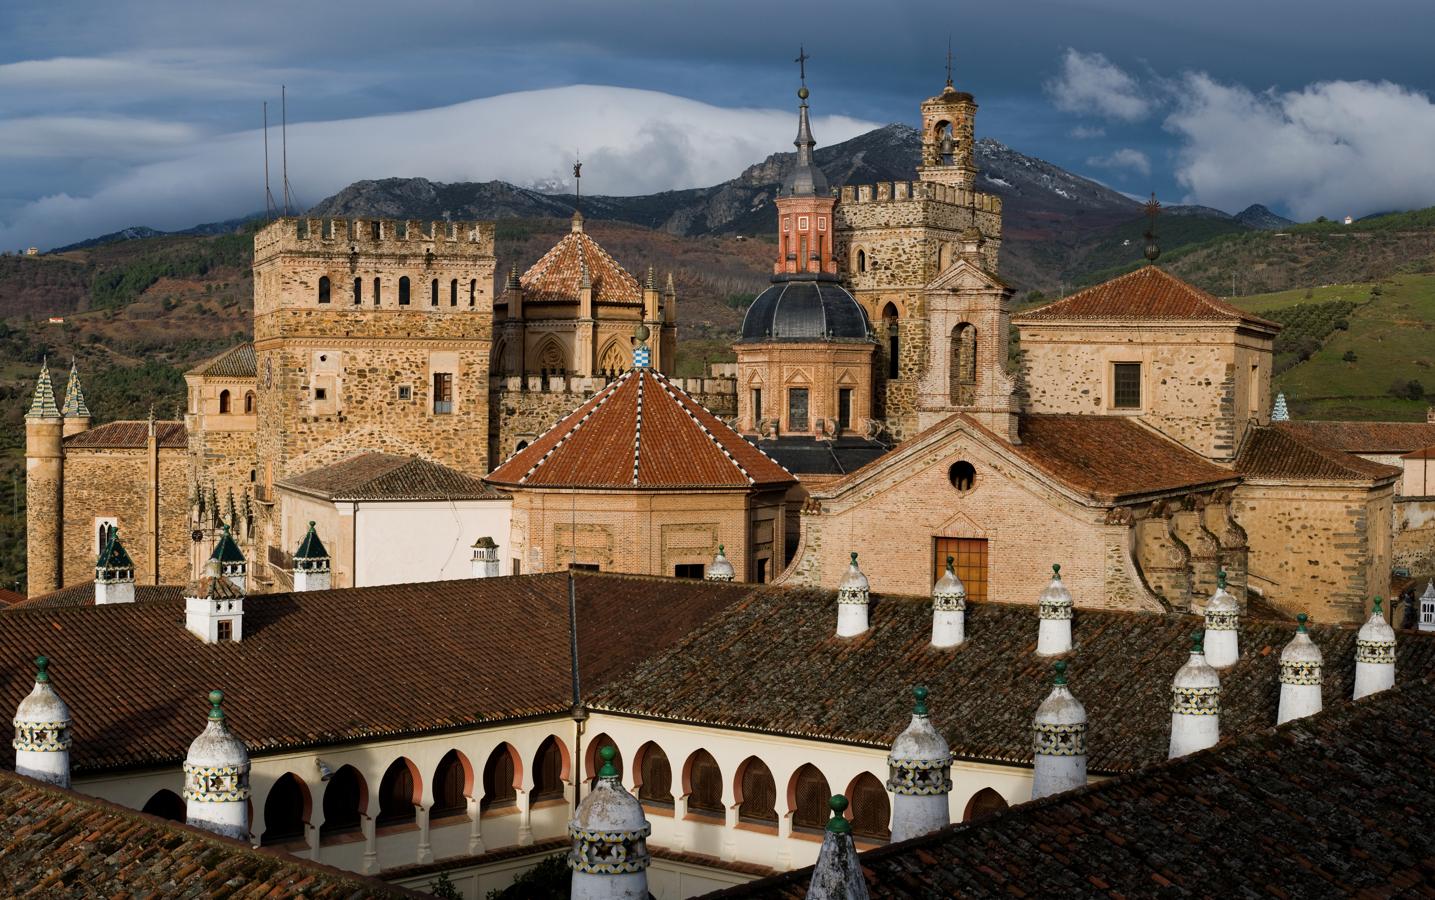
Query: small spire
point(668, 289)
point(838, 824)
point(513, 283)
point(651, 282)
point(216, 708)
point(949, 59)
point(1153, 209)
point(43, 403)
point(75, 406)
point(1279, 412)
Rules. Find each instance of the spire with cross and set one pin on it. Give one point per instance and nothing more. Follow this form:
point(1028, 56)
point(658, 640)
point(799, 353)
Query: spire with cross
point(801, 61)
point(949, 59)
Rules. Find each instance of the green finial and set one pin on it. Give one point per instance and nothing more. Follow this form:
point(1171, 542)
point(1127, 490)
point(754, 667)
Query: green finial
point(42, 666)
point(1221, 579)
point(1059, 672)
point(225, 528)
point(950, 560)
point(854, 557)
point(1377, 607)
point(216, 698)
point(722, 551)
point(920, 694)
point(606, 752)
point(1300, 622)
point(311, 524)
point(838, 824)
point(1056, 571)
point(1198, 640)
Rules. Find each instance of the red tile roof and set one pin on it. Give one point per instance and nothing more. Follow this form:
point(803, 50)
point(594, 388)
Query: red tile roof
point(386, 476)
point(640, 432)
point(60, 843)
point(1289, 454)
point(1423, 453)
point(236, 362)
point(83, 594)
point(558, 275)
point(130, 434)
point(1147, 294)
point(1365, 437)
point(10, 598)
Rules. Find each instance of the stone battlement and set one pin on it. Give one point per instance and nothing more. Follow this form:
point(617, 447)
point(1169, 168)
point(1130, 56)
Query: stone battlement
point(588, 386)
point(898, 191)
point(372, 236)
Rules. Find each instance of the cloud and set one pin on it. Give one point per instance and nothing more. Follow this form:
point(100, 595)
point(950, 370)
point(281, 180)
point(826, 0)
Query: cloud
point(1125, 158)
point(1331, 148)
point(78, 137)
point(632, 141)
point(1087, 132)
point(1090, 84)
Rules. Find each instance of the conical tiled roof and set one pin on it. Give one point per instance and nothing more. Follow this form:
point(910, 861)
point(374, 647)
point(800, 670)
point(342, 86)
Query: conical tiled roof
point(1147, 294)
point(311, 547)
point(226, 551)
point(74, 396)
point(43, 404)
point(562, 272)
point(113, 555)
point(641, 431)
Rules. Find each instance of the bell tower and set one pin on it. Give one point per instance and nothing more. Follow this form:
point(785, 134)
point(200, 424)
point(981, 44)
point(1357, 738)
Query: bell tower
point(947, 136)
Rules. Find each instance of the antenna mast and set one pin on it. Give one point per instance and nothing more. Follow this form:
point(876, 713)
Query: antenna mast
point(268, 194)
point(284, 126)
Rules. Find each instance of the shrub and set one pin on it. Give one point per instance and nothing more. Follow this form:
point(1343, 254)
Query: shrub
point(1407, 390)
point(1349, 356)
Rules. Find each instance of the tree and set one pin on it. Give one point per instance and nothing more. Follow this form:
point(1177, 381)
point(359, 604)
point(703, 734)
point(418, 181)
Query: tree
point(1349, 356)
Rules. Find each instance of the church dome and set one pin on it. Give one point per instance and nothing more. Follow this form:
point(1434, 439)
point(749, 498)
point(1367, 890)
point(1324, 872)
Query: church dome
point(806, 310)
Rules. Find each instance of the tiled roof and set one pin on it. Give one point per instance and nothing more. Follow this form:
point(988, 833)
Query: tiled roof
point(42, 405)
point(1150, 293)
point(1422, 453)
point(641, 431)
point(236, 362)
point(331, 666)
point(1277, 452)
point(83, 594)
point(771, 664)
point(1365, 437)
point(75, 395)
point(130, 434)
point(1339, 804)
point(386, 476)
point(62, 843)
point(558, 275)
point(10, 598)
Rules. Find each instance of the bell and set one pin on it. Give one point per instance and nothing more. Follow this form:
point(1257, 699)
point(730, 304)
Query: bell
point(949, 146)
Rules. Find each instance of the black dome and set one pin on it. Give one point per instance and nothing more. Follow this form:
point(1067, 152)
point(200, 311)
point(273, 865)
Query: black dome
point(805, 310)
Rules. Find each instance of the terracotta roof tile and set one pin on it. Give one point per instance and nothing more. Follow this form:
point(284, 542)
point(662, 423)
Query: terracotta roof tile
point(1278, 452)
point(55, 837)
point(558, 274)
point(1333, 805)
point(385, 476)
point(236, 362)
point(1422, 453)
point(130, 434)
point(640, 432)
point(10, 598)
point(1365, 437)
point(83, 594)
point(1149, 293)
point(771, 664)
point(135, 679)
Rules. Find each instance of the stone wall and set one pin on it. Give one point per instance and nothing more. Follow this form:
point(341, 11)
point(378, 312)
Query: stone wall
point(120, 483)
point(1413, 546)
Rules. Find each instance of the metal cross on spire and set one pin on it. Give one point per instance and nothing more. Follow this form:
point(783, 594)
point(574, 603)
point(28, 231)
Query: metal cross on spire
point(577, 181)
point(801, 61)
point(949, 59)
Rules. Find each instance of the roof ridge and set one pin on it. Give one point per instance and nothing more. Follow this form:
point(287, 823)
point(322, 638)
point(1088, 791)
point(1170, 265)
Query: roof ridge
point(638, 426)
point(602, 397)
point(666, 386)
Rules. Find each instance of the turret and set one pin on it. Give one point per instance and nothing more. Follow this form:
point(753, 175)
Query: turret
point(1300, 676)
point(44, 487)
point(720, 569)
point(949, 609)
point(920, 764)
point(948, 145)
point(230, 558)
point(1054, 609)
point(214, 607)
point(114, 572)
point(1059, 740)
point(484, 563)
point(1374, 655)
point(1279, 412)
point(1195, 704)
point(75, 411)
point(837, 874)
point(42, 731)
point(1427, 607)
point(804, 207)
point(609, 832)
point(216, 777)
point(1223, 614)
point(853, 595)
point(311, 563)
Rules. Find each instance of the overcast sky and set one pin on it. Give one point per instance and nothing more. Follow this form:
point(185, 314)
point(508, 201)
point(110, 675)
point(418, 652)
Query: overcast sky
point(124, 113)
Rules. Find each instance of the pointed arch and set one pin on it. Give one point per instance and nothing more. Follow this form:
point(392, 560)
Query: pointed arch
point(984, 802)
point(287, 808)
point(654, 775)
point(963, 364)
point(869, 808)
point(452, 785)
point(346, 797)
point(165, 804)
point(400, 793)
point(807, 797)
point(498, 363)
point(592, 762)
point(551, 356)
point(502, 774)
point(550, 769)
point(614, 358)
point(756, 793)
point(224, 402)
point(702, 782)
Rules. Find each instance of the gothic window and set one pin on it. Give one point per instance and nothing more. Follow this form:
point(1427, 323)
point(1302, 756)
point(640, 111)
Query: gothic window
point(472, 291)
point(344, 802)
point(797, 420)
point(870, 809)
point(1126, 385)
point(983, 803)
point(453, 292)
point(595, 762)
point(614, 360)
point(397, 794)
point(433, 292)
point(656, 784)
point(551, 359)
point(323, 288)
point(969, 561)
point(378, 289)
point(358, 291)
point(224, 402)
point(890, 323)
point(757, 801)
point(442, 393)
point(548, 771)
point(404, 291)
point(964, 365)
point(249, 403)
point(167, 805)
point(499, 776)
point(285, 811)
point(810, 795)
point(704, 784)
point(944, 257)
point(450, 786)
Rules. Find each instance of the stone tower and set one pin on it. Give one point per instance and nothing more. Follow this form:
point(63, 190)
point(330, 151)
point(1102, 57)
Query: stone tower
point(940, 326)
point(44, 488)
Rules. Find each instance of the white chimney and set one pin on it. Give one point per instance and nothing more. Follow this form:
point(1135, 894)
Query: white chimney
point(1059, 758)
point(114, 572)
point(1223, 615)
point(42, 731)
point(312, 569)
point(920, 765)
point(1054, 608)
point(1300, 676)
point(949, 609)
point(1374, 655)
point(485, 558)
point(853, 595)
point(1195, 704)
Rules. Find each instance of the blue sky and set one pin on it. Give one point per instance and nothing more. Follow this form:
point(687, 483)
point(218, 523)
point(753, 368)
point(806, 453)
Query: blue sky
point(121, 113)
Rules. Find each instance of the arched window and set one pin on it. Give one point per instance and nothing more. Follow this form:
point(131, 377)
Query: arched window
point(756, 793)
point(983, 803)
point(451, 785)
point(869, 808)
point(472, 291)
point(378, 289)
point(404, 290)
point(500, 779)
point(345, 798)
point(704, 784)
point(286, 809)
point(595, 762)
point(613, 360)
point(861, 260)
point(433, 292)
point(548, 770)
point(249, 403)
point(224, 402)
point(323, 288)
point(166, 805)
point(358, 291)
point(453, 292)
point(398, 794)
point(655, 776)
point(809, 796)
point(964, 364)
point(521, 446)
point(890, 323)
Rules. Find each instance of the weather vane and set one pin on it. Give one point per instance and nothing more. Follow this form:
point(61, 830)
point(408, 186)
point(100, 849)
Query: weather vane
point(577, 181)
point(801, 61)
point(949, 59)
point(1153, 209)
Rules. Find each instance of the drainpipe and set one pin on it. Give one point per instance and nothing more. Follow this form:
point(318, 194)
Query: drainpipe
point(577, 710)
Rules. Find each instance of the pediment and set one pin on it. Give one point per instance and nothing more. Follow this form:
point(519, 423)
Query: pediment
point(798, 376)
point(961, 526)
point(964, 275)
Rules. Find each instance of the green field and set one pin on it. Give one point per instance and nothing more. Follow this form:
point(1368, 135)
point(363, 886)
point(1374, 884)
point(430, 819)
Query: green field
point(1391, 332)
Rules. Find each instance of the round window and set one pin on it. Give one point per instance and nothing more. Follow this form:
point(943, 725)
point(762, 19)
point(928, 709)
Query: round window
point(963, 475)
